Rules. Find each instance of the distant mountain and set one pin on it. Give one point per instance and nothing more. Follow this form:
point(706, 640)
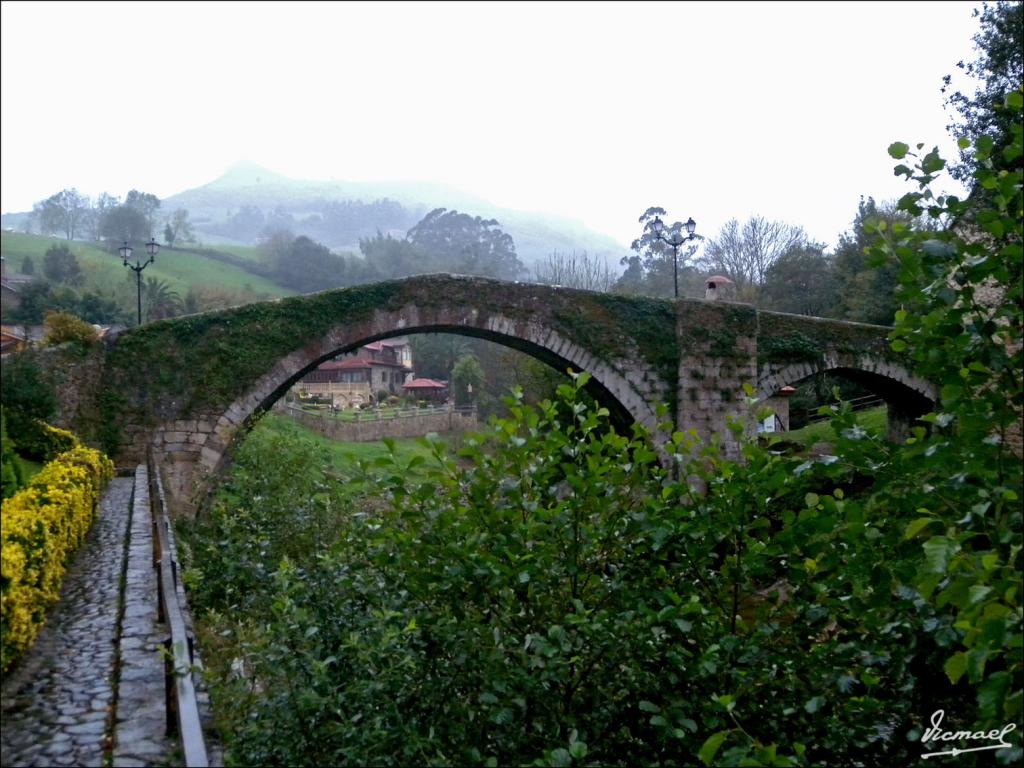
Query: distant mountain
point(236, 207)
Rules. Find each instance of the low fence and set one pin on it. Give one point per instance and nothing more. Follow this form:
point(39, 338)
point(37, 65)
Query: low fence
point(358, 415)
point(182, 705)
point(856, 404)
point(368, 426)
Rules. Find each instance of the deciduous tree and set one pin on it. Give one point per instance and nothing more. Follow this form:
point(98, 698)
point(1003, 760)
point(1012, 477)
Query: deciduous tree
point(435, 354)
point(466, 373)
point(145, 203)
point(575, 270)
point(866, 288)
point(745, 252)
point(801, 281)
point(123, 223)
point(178, 228)
point(62, 327)
point(390, 257)
point(309, 266)
point(63, 212)
point(60, 265)
point(467, 244)
point(999, 67)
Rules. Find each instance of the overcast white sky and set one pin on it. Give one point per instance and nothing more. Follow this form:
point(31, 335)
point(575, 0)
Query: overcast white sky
point(589, 110)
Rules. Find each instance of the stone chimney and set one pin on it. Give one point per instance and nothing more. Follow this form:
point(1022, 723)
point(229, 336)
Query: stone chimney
point(719, 287)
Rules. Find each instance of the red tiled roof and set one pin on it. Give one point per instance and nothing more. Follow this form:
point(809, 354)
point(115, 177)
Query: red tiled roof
point(424, 384)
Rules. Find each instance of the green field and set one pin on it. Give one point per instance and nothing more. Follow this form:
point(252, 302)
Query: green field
point(872, 420)
point(344, 454)
point(194, 269)
point(104, 272)
point(246, 252)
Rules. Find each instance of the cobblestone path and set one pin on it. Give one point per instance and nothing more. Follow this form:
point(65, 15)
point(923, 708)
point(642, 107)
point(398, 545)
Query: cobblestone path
point(57, 703)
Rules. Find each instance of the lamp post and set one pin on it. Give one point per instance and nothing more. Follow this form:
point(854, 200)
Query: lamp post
point(152, 248)
point(675, 241)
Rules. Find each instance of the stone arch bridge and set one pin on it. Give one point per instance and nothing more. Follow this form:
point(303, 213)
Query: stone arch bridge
point(187, 387)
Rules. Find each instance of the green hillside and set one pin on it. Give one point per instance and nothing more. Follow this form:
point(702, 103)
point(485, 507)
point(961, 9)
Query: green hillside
point(247, 252)
point(182, 268)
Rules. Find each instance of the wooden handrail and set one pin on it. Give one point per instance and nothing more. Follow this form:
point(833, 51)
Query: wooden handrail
point(181, 693)
point(856, 404)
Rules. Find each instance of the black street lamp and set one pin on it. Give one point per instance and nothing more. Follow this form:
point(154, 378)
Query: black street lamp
point(675, 241)
point(152, 248)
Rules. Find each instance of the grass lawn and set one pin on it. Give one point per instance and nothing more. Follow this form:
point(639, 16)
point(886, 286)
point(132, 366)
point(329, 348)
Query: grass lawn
point(188, 268)
point(872, 420)
point(247, 252)
point(104, 271)
point(344, 454)
point(101, 269)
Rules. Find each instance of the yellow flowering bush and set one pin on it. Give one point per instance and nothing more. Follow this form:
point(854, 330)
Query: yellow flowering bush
point(41, 526)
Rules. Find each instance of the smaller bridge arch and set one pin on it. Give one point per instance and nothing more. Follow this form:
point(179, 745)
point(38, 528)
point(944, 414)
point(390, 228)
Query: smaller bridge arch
point(907, 397)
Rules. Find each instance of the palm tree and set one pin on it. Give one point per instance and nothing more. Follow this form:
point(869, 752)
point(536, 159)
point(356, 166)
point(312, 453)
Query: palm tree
point(161, 300)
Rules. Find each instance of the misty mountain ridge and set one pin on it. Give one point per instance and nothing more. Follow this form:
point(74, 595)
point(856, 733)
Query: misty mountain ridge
point(339, 213)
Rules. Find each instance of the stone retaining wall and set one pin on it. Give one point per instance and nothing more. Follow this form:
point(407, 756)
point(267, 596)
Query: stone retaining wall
point(368, 431)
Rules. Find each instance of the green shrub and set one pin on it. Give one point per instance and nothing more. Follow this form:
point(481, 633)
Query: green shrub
point(43, 442)
point(61, 328)
point(28, 397)
point(11, 475)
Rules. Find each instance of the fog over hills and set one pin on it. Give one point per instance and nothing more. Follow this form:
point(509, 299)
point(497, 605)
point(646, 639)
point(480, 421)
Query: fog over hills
point(338, 213)
point(249, 199)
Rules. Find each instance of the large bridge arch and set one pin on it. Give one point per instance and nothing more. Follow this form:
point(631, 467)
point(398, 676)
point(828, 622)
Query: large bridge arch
point(191, 437)
point(610, 386)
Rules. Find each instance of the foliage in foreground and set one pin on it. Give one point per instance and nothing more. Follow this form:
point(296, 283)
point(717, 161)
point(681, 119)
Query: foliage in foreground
point(558, 595)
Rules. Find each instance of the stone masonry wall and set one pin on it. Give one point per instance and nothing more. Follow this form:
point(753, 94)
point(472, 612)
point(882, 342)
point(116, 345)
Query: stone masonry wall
point(366, 431)
point(718, 355)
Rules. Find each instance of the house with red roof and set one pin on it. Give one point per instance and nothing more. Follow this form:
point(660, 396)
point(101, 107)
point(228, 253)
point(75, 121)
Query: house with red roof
point(360, 377)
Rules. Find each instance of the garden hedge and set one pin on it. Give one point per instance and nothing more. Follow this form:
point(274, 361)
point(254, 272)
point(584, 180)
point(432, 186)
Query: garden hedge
point(41, 526)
